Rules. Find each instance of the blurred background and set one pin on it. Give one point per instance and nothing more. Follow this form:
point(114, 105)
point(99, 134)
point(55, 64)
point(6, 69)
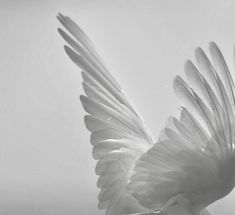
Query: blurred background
point(46, 167)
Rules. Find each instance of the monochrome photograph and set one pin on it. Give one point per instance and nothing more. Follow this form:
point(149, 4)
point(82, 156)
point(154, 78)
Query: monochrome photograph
point(114, 107)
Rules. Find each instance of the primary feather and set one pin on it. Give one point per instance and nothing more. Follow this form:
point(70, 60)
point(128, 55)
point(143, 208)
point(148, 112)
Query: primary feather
point(192, 164)
point(118, 134)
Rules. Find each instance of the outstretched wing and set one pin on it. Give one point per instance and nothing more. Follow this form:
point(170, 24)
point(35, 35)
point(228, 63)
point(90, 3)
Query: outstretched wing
point(118, 134)
point(189, 158)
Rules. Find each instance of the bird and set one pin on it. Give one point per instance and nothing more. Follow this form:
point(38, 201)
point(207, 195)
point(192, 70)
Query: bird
point(192, 162)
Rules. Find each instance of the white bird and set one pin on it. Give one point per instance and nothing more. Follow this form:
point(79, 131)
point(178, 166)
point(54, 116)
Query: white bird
point(191, 165)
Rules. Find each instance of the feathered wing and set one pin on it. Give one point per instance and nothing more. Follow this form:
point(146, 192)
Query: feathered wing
point(118, 134)
point(189, 157)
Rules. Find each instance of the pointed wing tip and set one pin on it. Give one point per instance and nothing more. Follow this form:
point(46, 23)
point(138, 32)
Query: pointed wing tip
point(59, 14)
point(213, 44)
point(188, 61)
point(60, 17)
point(71, 53)
point(68, 51)
point(198, 51)
point(177, 78)
point(188, 64)
point(176, 81)
point(213, 47)
point(62, 33)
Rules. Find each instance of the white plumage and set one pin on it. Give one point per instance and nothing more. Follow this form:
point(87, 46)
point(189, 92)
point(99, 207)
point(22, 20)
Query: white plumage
point(193, 162)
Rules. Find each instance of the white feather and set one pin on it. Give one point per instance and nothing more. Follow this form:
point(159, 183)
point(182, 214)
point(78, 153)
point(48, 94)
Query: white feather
point(192, 164)
point(118, 135)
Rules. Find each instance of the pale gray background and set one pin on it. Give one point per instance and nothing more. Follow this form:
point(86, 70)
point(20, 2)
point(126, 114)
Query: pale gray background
point(46, 167)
